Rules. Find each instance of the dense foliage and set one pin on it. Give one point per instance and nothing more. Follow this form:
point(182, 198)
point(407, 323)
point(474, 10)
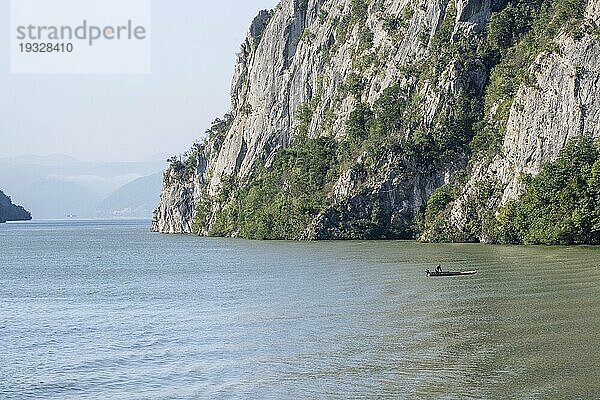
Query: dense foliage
point(281, 199)
point(184, 167)
point(561, 205)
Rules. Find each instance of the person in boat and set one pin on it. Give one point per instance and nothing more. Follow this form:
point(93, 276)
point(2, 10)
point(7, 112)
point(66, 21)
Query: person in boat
point(438, 269)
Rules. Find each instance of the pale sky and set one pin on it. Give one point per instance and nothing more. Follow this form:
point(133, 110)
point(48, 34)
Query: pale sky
point(131, 117)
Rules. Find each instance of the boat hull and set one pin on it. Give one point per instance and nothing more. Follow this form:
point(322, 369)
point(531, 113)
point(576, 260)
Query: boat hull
point(447, 274)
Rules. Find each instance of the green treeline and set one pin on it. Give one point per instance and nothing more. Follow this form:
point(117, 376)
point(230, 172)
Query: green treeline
point(561, 205)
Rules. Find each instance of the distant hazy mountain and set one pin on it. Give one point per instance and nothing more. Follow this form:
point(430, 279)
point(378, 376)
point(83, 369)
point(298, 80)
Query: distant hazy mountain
point(52, 159)
point(56, 186)
point(134, 200)
point(55, 199)
point(17, 173)
point(11, 212)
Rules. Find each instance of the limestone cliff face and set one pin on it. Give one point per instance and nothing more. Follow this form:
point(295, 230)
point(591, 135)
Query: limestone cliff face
point(181, 191)
point(11, 212)
point(303, 57)
point(562, 102)
point(283, 64)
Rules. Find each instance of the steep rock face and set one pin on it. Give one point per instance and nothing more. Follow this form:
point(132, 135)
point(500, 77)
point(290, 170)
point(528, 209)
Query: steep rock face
point(473, 15)
point(181, 191)
point(303, 53)
point(11, 212)
point(382, 205)
point(306, 69)
point(562, 102)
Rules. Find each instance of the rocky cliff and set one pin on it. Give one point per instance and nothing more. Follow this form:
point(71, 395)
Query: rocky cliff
point(348, 115)
point(559, 102)
point(11, 212)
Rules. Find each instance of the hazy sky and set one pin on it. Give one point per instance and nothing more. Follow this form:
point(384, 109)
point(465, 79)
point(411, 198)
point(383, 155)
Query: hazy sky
point(131, 117)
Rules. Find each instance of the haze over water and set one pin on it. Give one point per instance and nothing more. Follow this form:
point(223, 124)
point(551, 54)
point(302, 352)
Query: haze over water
point(109, 310)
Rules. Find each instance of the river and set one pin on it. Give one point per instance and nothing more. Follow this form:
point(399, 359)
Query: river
point(96, 309)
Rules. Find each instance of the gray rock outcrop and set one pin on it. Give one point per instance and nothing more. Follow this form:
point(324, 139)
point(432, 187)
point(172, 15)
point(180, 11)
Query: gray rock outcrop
point(302, 55)
point(561, 103)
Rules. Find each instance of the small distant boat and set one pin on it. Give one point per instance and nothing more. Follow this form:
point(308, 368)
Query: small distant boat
point(442, 274)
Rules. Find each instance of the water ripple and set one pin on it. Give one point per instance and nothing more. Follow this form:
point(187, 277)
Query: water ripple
point(120, 313)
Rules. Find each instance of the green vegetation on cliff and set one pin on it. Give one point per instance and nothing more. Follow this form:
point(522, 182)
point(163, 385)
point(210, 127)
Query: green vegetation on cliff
point(282, 199)
point(561, 205)
point(283, 196)
point(516, 35)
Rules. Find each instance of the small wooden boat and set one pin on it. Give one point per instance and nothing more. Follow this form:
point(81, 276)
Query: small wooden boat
point(442, 274)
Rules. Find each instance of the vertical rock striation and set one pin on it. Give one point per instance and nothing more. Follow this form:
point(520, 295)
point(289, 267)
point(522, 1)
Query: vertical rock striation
point(561, 102)
point(306, 69)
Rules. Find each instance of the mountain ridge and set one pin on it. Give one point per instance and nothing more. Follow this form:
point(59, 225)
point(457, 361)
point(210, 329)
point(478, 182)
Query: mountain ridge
point(350, 118)
point(133, 200)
